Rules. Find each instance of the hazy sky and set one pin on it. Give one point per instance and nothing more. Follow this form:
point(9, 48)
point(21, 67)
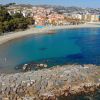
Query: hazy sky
point(80, 3)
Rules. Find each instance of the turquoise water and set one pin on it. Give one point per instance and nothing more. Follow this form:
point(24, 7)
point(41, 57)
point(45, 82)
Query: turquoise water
point(81, 46)
point(39, 27)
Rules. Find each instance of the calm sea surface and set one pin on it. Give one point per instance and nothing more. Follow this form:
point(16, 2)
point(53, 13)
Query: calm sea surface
point(81, 46)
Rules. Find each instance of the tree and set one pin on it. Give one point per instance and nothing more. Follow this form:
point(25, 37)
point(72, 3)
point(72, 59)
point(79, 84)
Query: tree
point(9, 4)
point(10, 23)
point(18, 15)
point(6, 26)
point(4, 15)
point(30, 21)
point(23, 24)
point(1, 28)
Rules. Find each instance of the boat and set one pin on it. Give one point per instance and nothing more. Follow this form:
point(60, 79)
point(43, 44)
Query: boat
point(51, 32)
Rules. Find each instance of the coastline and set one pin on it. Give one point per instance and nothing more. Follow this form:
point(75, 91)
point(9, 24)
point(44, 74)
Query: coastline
point(60, 81)
point(14, 35)
point(53, 83)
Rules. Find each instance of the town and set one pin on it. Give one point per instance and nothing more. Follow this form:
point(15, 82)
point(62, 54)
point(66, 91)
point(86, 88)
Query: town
point(50, 15)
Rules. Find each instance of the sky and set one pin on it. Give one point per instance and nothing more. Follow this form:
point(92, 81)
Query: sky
point(79, 3)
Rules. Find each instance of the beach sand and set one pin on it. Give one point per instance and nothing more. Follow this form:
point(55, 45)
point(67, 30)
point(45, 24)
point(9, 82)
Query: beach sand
point(46, 29)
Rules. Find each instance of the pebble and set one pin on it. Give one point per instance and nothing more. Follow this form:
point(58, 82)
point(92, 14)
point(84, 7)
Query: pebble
point(45, 82)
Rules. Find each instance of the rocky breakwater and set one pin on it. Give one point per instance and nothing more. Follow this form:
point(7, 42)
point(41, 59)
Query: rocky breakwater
point(50, 84)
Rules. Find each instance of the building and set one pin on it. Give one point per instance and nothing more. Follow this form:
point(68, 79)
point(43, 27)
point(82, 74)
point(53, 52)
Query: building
point(91, 18)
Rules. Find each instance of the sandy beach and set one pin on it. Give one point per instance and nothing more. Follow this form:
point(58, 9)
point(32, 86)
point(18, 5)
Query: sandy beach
point(14, 35)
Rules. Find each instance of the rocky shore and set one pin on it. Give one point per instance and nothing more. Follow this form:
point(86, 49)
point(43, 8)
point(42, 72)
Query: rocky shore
point(57, 83)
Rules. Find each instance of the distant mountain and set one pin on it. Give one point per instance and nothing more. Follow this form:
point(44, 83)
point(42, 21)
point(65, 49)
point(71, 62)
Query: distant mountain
point(62, 9)
point(25, 5)
point(72, 9)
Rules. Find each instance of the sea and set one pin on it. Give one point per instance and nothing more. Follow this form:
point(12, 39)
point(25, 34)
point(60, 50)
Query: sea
point(71, 46)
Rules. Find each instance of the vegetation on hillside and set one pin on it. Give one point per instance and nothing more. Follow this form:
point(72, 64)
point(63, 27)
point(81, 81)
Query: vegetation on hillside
point(13, 22)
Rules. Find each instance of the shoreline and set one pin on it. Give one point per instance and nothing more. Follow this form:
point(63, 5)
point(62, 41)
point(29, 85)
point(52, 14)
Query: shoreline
point(46, 29)
point(65, 81)
point(59, 81)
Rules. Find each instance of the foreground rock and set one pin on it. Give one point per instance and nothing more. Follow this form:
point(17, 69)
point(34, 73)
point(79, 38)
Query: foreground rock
point(50, 84)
